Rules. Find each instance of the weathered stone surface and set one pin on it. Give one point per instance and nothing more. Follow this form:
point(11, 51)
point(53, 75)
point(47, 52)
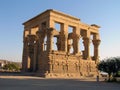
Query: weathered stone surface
point(47, 48)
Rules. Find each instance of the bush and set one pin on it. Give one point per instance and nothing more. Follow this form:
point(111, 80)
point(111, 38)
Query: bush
point(111, 66)
point(11, 67)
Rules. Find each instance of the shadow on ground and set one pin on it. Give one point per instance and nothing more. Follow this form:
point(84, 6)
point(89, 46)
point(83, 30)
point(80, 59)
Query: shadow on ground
point(22, 82)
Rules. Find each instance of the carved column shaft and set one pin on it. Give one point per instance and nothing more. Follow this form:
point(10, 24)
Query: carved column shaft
point(64, 43)
point(76, 43)
point(64, 37)
point(35, 55)
point(25, 55)
point(86, 43)
point(96, 50)
point(41, 36)
point(49, 39)
point(31, 39)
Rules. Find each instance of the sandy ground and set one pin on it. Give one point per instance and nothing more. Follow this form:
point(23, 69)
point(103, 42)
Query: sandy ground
point(10, 82)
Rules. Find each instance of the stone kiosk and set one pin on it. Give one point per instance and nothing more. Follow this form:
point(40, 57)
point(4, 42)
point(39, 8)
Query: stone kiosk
point(52, 44)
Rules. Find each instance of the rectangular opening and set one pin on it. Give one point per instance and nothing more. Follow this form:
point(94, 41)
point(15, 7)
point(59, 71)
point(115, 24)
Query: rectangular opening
point(81, 44)
point(54, 43)
point(70, 29)
point(45, 44)
point(57, 26)
point(26, 32)
point(71, 49)
point(34, 30)
point(91, 45)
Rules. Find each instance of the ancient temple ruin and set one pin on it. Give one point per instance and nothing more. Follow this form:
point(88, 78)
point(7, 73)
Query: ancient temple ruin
point(58, 45)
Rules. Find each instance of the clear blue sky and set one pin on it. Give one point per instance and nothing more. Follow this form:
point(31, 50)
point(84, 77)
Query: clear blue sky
point(13, 13)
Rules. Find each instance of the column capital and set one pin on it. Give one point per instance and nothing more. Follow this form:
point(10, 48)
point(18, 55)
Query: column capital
point(50, 31)
point(50, 35)
point(96, 42)
point(40, 34)
point(31, 38)
point(77, 36)
point(64, 35)
point(86, 38)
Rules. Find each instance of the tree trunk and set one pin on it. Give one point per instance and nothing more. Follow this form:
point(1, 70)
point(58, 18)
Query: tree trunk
point(109, 75)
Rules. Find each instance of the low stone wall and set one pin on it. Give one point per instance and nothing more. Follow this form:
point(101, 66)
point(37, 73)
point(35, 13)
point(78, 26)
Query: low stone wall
point(62, 65)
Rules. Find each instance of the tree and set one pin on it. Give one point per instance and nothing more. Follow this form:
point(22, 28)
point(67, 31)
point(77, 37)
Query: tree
point(11, 66)
point(110, 65)
point(117, 66)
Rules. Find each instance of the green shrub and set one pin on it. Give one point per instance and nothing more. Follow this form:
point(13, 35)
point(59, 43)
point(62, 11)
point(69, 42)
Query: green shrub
point(11, 67)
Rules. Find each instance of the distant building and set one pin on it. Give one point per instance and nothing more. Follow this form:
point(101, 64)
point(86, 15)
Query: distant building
point(2, 63)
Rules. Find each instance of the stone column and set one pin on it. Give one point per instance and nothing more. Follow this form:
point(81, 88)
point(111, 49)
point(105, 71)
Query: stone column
point(40, 36)
point(35, 55)
point(64, 37)
point(63, 42)
point(31, 39)
point(25, 55)
point(96, 50)
point(50, 39)
point(40, 42)
point(76, 43)
point(86, 53)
